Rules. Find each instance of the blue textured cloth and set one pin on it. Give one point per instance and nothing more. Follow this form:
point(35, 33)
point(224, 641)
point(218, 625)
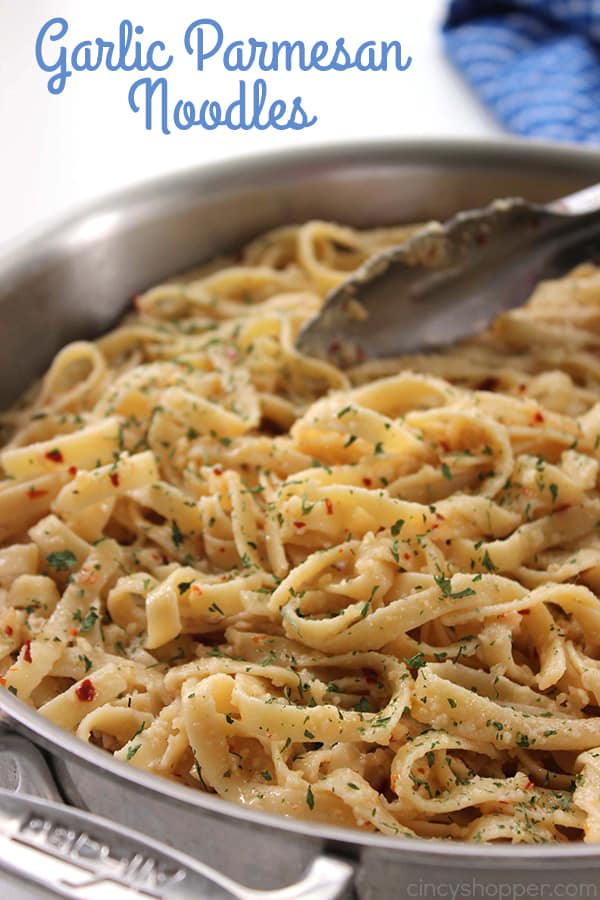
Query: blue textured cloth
point(535, 63)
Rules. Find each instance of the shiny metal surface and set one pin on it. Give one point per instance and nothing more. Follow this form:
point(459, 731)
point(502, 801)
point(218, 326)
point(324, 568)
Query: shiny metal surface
point(23, 769)
point(452, 279)
point(75, 855)
point(75, 279)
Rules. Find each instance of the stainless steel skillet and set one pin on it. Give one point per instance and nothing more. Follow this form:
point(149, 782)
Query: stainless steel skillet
point(75, 279)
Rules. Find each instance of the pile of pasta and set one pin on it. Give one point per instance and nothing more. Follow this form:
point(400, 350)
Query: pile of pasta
point(369, 598)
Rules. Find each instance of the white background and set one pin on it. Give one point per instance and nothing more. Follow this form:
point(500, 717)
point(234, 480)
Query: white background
point(60, 151)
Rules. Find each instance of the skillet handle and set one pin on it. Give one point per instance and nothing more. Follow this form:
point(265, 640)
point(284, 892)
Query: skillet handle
point(23, 769)
point(78, 855)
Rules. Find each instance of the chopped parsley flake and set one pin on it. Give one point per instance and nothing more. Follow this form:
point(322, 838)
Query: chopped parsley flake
point(86, 662)
point(488, 563)
point(90, 620)
point(417, 661)
point(176, 534)
point(62, 560)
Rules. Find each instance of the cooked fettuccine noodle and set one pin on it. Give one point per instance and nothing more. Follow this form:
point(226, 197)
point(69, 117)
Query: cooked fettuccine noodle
point(369, 598)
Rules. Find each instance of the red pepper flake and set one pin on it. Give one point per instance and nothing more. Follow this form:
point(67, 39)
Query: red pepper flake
point(36, 493)
point(370, 676)
point(445, 446)
point(55, 455)
point(367, 482)
point(522, 388)
point(530, 785)
point(221, 549)
point(406, 555)
point(73, 471)
point(8, 629)
point(328, 506)
point(86, 691)
point(300, 525)
point(217, 470)
point(73, 632)
point(2, 681)
point(27, 652)
point(562, 507)
point(114, 477)
point(538, 417)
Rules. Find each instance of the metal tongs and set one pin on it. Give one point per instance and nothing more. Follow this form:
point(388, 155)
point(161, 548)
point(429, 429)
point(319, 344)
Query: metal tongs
point(450, 281)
